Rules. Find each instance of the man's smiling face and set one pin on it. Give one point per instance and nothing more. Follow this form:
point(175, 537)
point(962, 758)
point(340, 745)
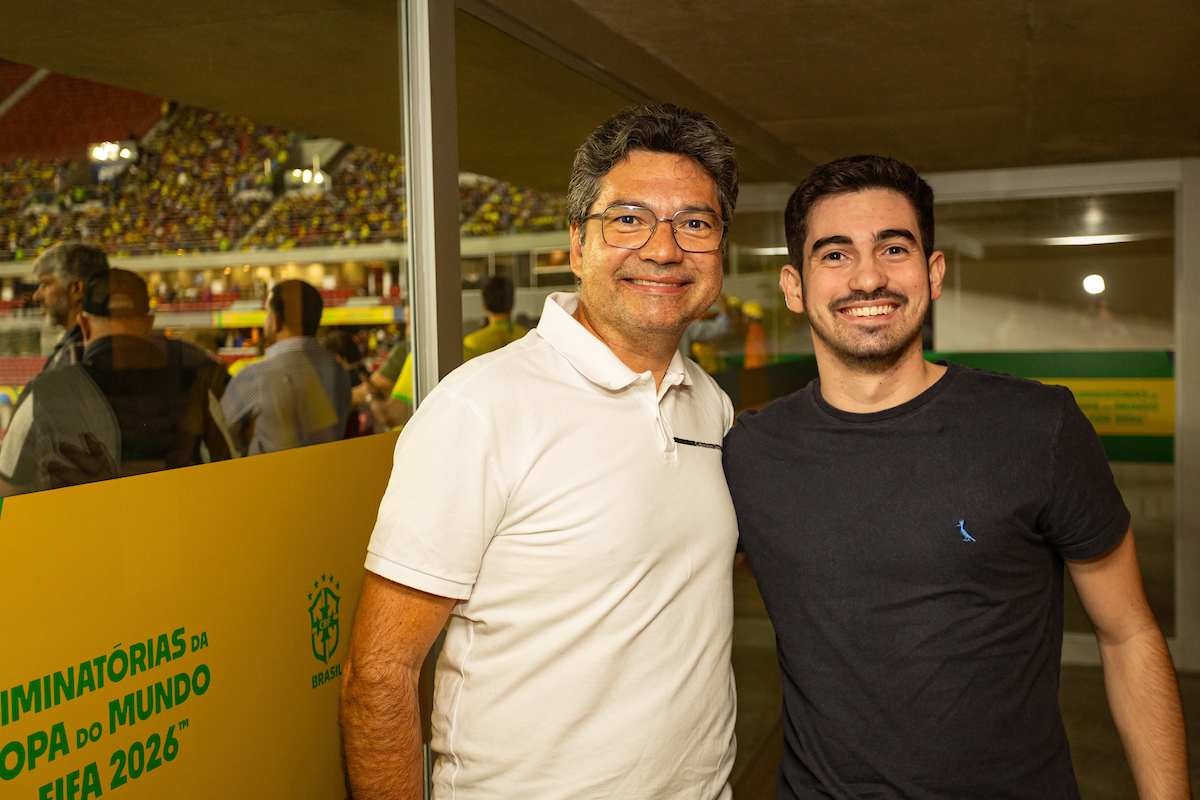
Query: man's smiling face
point(867, 283)
point(656, 290)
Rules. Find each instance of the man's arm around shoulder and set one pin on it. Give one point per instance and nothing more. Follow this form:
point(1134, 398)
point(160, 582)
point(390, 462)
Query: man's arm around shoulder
point(1138, 674)
point(381, 728)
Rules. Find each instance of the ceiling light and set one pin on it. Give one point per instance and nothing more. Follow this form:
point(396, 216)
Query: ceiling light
point(295, 173)
point(1113, 238)
point(1093, 284)
point(307, 176)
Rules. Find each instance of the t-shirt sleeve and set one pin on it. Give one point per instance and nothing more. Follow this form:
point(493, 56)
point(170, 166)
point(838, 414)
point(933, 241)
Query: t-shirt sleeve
point(443, 502)
point(1086, 516)
point(403, 387)
point(18, 454)
point(394, 362)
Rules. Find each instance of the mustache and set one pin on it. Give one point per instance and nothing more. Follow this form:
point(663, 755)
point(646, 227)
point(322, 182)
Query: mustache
point(869, 297)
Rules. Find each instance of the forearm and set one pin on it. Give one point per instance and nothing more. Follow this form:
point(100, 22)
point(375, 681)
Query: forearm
point(381, 732)
point(1144, 698)
point(391, 411)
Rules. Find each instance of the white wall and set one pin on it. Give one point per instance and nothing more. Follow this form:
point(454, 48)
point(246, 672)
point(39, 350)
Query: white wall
point(969, 322)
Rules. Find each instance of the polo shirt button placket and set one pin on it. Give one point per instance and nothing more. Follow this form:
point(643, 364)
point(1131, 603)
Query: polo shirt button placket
point(666, 436)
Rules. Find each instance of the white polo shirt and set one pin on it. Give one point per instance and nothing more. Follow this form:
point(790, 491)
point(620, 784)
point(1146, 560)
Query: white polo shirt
point(581, 518)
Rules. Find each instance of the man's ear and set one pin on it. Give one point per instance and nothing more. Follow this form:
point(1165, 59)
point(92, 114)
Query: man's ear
point(937, 272)
point(576, 250)
point(793, 294)
point(75, 292)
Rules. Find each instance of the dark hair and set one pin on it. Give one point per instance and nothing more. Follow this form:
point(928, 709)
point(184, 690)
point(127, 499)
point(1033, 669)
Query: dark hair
point(855, 174)
point(663, 128)
point(116, 293)
point(72, 261)
point(342, 344)
point(498, 294)
point(302, 305)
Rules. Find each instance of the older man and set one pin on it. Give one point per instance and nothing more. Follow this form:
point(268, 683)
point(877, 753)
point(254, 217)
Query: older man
point(61, 272)
point(561, 502)
point(136, 401)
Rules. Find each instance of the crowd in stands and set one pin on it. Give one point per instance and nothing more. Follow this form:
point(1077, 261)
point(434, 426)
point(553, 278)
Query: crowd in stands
point(182, 193)
point(364, 204)
point(203, 182)
point(18, 180)
point(489, 208)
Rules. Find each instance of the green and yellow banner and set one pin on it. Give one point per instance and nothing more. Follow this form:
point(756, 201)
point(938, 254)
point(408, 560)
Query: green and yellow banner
point(1128, 396)
point(180, 634)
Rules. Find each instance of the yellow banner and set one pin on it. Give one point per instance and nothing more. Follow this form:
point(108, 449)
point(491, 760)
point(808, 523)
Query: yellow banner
point(181, 634)
point(358, 315)
point(341, 315)
point(239, 319)
point(1125, 406)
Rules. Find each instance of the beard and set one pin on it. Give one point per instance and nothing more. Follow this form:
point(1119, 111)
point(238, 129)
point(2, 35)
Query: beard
point(58, 313)
point(867, 349)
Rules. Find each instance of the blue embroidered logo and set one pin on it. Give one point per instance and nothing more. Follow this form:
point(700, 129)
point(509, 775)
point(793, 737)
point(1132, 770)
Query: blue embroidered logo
point(966, 536)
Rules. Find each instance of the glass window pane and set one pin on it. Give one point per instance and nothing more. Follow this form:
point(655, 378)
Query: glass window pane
point(215, 196)
point(1080, 291)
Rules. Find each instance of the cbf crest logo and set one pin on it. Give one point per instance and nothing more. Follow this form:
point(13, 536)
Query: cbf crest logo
point(323, 613)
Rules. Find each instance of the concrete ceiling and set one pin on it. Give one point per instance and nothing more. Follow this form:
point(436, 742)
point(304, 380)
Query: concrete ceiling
point(992, 83)
point(945, 86)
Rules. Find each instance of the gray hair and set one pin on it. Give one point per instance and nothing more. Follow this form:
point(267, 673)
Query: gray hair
point(71, 261)
point(663, 128)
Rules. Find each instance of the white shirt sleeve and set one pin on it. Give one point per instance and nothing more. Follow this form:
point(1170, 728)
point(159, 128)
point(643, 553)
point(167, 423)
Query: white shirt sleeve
point(443, 503)
point(13, 453)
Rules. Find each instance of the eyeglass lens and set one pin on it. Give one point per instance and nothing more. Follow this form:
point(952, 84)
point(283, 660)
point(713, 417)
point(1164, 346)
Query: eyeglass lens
point(632, 226)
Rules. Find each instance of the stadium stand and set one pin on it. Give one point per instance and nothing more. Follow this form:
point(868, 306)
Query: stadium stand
point(492, 209)
point(61, 113)
point(206, 181)
point(364, 204)
point(13, 76)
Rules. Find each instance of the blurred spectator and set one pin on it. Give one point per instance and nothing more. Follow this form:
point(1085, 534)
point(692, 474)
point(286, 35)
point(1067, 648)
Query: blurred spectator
point(697, 337)
point(298, 394)
point(163, 391)
point(497, 302)
point(346, 351)
point(756, 339)
point(135, 403)
point(62, 272)
point(498, 295)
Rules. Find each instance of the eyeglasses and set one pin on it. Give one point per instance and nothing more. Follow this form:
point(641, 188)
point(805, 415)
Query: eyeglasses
point(630, 228)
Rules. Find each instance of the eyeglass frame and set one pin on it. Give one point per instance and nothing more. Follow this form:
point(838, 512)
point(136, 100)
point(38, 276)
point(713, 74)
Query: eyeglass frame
point(654, 227)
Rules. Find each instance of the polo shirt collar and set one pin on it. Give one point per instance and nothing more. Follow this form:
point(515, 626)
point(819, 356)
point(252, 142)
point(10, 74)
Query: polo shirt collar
point(587, 354)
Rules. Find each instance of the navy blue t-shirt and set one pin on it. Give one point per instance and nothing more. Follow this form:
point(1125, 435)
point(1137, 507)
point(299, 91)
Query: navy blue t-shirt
point(911, 563)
